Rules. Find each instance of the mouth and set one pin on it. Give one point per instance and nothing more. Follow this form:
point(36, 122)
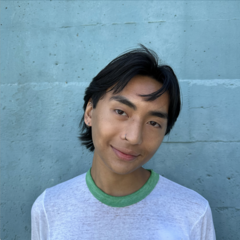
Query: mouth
point(124, 156)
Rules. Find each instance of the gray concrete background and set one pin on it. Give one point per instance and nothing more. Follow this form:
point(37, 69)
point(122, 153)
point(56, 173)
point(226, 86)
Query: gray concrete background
point(50, 51)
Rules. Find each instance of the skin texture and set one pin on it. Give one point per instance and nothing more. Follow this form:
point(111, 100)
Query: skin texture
point(111, 121)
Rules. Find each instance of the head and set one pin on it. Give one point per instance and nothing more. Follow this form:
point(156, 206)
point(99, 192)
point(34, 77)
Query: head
point(130, 105)
point(118, 73)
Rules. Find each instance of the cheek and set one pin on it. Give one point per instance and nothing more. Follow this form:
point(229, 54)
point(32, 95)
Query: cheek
point(152, 142)
point(103, 129)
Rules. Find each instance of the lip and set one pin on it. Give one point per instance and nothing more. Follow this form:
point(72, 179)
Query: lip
point(126, 155)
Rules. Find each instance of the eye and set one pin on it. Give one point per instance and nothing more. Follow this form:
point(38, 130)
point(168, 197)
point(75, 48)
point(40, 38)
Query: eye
point(154, 124)
point(120, 112)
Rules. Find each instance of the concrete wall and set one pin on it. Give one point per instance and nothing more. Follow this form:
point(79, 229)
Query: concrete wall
point(50, 51)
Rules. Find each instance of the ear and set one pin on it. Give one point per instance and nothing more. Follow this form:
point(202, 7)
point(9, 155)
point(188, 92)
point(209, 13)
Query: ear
point(88, 114)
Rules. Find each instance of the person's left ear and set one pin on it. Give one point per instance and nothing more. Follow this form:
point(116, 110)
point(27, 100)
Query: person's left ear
point(88, 114)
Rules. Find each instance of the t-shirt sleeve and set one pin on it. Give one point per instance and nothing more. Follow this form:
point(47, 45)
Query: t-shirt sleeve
point(39, 222)
point(204, 228)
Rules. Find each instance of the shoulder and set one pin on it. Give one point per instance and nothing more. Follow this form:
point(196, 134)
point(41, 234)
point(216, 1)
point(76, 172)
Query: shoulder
point(182, 199)
point(60, 193)
point(187, 206)
point(180, 192)
point(67, 188)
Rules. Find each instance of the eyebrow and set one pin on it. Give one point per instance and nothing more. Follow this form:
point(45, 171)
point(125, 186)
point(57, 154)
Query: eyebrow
point(128, 103)
point(124, 100)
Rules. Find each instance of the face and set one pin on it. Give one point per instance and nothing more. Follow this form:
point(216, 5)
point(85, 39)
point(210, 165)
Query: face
point(126, 129)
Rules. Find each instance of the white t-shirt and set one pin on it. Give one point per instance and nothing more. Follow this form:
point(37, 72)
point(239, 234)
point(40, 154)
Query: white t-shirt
point(161, 209)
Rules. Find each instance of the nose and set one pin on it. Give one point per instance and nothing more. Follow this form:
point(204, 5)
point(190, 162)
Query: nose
point(134, 132)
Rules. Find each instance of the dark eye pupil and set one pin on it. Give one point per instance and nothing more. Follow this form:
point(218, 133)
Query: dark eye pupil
point(120, 112)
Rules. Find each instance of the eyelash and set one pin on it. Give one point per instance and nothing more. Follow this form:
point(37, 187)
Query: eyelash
point(118, 110)
point(156, 123)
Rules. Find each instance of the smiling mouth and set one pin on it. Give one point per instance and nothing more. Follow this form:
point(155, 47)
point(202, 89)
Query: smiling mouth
point(124, 156)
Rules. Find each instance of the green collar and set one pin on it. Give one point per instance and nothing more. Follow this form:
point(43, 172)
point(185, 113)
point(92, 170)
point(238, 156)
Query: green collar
point(123, 201)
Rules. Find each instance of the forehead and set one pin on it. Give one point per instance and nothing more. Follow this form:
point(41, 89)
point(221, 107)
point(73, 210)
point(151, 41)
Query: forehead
point(143, 85)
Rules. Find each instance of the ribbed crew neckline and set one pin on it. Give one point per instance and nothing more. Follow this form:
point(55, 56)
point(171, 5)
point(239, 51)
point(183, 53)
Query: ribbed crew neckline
point(122, 201)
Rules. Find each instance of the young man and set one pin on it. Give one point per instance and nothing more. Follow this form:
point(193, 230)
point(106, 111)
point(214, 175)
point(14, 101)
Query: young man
point(129, 107)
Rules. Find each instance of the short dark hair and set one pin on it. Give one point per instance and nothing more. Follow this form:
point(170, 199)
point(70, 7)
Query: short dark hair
point(117, 74)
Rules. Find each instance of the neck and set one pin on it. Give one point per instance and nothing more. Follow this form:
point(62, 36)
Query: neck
point(117, 184)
